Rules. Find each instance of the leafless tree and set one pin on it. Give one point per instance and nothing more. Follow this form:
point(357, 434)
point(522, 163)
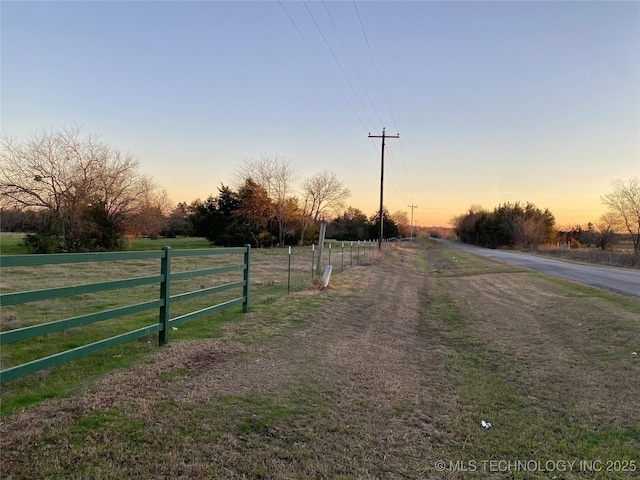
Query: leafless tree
point(66, 173)
point(624, 204)
point(606, 230)
point(151, 214)
point(401, 219)
point(276, 175)
point(529, 231)
point(323, 195)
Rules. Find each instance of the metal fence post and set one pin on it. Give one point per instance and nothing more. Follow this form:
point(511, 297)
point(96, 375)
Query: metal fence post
point(313, 254)
point(351, 255)
point(329, 253)
point(342, 266)
point(165, 295)
point(245, 287)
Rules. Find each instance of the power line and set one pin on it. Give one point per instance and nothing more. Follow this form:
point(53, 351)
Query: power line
point(400, 190)
point(406, 171)
point(323, 67)
point(337, 62)
point(374, 65)
point(355, 69)
point(401, 193)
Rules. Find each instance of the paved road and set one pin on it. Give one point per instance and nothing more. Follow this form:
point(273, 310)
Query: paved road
point(619, 280)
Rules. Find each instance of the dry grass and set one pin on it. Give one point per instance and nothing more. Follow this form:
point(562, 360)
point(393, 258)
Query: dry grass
point(612, 258)
point(379, 376)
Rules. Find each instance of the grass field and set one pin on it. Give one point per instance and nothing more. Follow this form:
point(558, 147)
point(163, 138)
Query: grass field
point(387, 374)
point(12, 243)
point(269, 281)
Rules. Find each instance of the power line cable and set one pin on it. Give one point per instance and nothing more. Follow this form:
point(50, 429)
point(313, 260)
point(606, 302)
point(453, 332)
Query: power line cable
point(402, 193)
point(355, 69)
point(375, 66)
point(337, 62)
point(406, 171)
point(399, 191)
point(323, 67)
point(383, 92)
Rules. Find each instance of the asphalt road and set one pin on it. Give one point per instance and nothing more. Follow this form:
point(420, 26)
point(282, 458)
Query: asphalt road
point(625, 281)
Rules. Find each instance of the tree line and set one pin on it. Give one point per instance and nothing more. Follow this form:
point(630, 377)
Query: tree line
point(507, 225)
point(511, 225)
point(76, 193)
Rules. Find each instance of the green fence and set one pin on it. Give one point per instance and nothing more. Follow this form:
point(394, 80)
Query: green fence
point(164, 280)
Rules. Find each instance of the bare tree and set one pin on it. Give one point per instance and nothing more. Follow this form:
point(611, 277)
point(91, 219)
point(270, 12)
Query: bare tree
point(606, 230)
point(530, 231)
point(67, 175)
point(624, 204)
point(152, 210)
point(323, 194)
point(401, 219)
point(277, 176)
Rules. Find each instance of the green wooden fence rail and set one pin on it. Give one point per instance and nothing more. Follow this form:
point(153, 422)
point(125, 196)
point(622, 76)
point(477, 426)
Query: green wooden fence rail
point(163, 303)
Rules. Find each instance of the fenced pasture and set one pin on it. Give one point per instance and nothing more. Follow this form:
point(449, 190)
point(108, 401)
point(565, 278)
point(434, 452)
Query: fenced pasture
point(273, 273)
point(96, 302)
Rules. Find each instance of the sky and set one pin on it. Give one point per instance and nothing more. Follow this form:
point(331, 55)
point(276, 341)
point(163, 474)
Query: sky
point(494, 101)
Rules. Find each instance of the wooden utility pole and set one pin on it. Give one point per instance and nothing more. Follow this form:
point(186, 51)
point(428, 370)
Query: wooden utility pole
point(383, 136)
point(411, 226)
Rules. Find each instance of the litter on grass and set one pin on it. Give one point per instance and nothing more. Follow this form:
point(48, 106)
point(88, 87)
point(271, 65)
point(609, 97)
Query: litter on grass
point(486, 425)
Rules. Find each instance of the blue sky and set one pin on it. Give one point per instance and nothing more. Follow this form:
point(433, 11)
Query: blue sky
point(494, 101)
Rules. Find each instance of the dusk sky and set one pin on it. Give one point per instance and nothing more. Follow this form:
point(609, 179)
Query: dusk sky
point(494, 101)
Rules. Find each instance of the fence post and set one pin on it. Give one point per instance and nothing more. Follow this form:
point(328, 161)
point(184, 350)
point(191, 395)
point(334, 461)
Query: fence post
point(289, 272)
point(245, 287)
point(313, 254)
point(165, 295)
point(329, 253)
point(342, 266)
point(351, 255)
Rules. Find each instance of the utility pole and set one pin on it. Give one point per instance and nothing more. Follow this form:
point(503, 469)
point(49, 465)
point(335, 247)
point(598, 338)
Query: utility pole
point(411, 226)
point(383, 136)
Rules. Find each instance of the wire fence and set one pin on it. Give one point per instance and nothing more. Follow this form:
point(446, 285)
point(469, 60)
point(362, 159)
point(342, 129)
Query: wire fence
point(279, 271)
point(201, 280)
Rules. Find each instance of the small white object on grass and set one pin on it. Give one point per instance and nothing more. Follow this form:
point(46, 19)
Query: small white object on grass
point(635, 354)
point(486, 425)
point(174, 328)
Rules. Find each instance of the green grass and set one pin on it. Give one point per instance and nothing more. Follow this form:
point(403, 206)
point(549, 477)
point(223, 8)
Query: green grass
point(268, 283)
point(64, 380)
point(12, 244)
point(182, 243)
point(578, 290)
point(529, 420)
